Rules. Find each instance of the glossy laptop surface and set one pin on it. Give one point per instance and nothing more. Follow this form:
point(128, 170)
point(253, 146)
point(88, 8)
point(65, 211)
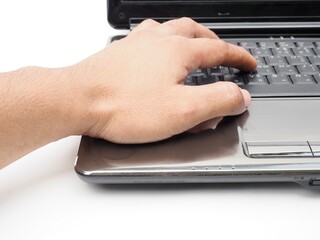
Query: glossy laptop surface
point(276, 140)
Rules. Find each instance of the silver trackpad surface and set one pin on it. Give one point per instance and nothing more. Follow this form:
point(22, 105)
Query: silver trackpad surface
point(282, 128)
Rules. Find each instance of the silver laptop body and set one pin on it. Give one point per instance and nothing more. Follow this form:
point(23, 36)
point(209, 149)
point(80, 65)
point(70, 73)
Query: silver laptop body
point(276, 140)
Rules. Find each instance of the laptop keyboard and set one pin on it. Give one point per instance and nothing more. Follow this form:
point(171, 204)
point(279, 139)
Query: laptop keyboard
point(287, 67)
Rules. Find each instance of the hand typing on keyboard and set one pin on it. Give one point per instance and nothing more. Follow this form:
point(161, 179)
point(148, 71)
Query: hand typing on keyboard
point(148, 99)
point(132, 91)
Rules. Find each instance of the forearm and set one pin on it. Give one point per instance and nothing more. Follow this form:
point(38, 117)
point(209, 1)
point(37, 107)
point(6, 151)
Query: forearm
point(36, 107)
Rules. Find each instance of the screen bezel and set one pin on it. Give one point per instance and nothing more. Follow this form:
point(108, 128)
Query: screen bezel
point(121, 13)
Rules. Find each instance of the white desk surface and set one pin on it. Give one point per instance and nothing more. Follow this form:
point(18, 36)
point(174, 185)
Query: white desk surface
point(42, 198)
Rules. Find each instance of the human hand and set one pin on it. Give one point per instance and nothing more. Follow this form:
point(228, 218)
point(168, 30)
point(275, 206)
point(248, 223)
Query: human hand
point(133, 89)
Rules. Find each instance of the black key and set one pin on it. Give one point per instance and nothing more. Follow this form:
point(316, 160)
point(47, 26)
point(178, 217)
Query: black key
point(302, 79)
point(201, 80)
point(238, 79)
point(255, 79)
point(297, 60)
point(315, 60)
point(285, 69)
point(275, 60)
point(308, 69)
point(303, 52)
point(218, 71)
point(305, 44)
point(190, 81)
point(267, 44)
point(279, 79)
point(234, 71)
point(199, 72)
point(285, 52)
point(285, 44)
point(264, 70)
point(261, 52)
point(248, 45)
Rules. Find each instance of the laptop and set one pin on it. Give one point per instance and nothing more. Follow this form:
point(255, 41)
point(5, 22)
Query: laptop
point(276, 140)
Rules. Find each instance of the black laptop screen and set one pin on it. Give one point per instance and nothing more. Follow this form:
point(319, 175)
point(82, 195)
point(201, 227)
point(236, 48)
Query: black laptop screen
point(123, 12)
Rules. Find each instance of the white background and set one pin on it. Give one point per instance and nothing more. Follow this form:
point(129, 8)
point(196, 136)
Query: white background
point(42, 198)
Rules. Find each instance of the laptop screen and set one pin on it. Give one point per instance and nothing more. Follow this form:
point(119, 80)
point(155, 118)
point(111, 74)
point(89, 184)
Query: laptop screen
point(123, 12)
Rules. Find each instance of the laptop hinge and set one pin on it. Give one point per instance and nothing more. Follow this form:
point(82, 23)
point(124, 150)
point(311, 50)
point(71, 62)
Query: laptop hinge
point(263, 25)
point(246, 25)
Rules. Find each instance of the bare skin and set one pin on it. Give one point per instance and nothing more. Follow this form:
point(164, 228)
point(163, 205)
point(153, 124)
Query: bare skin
point(130, 92)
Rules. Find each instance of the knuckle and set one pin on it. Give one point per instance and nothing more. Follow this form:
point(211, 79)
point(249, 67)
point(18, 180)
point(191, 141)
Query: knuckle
point(148, 21)
point(188, 21)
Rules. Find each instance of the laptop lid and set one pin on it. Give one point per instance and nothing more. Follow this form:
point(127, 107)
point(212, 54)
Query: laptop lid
point(124, 13)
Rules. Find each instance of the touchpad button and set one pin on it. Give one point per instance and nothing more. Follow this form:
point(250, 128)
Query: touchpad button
point(278, 149)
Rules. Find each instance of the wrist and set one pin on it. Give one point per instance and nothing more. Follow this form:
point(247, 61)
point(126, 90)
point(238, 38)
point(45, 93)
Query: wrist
point(54, 98)
point(90, 97)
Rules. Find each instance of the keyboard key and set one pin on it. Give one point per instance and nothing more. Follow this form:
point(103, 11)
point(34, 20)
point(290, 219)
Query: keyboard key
point(305, 44)
point(303, 52)
point(317, 78)
point(308, 69)
point(260, 60)
point(190, 81)
point(275, 60)
point(264, 70)
point(302, 79)
point(234, 71)
point(267, 44)
point(201, 80)
point(237, 79)
point(278, 79)
point(285, 69)
point(286, 44)
point(199, 72)
point(317, 51)
point(285, 52)
point(256, 79)
point(297, 60)
point(261, 52)
point(315, 60)
point(248, 45)
point(218, 71)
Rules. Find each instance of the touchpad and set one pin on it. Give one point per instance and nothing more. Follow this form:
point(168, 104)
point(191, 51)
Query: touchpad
point(282, 128)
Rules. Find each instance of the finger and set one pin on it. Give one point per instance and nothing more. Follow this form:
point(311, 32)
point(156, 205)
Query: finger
point(211, 101)
point(207, 53)
point(146, 24)
point(188, 28)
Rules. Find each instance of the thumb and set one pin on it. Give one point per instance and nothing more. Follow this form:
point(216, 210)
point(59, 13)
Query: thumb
point(215, 100)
